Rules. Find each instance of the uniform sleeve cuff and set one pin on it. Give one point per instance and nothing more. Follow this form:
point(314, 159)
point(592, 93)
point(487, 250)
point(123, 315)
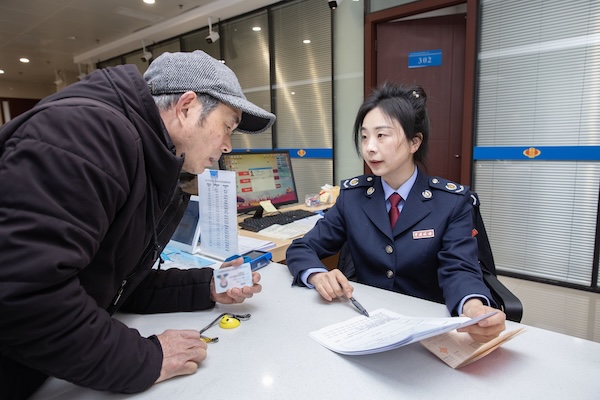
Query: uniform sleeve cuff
point(483, 299)
point(307, 273)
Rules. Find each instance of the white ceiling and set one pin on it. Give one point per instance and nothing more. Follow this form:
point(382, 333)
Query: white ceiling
point(63, 35)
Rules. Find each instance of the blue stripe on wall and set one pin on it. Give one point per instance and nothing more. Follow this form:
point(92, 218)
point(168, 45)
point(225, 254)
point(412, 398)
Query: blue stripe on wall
point(299, 153)
point(563, 153)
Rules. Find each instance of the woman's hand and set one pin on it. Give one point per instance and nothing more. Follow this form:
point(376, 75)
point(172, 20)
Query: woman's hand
point(486, 329)
point(331, 284)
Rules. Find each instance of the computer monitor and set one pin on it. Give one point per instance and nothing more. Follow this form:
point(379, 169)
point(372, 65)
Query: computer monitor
point(261, 175)
point(187, 235)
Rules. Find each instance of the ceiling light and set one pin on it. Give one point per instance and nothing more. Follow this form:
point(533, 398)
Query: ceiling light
point(149, 1)
point(306, 41)
point(24, 60)
point(1, 71)
point(256, 29)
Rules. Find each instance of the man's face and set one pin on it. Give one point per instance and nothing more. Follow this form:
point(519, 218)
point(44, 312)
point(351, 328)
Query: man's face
point(203, 142)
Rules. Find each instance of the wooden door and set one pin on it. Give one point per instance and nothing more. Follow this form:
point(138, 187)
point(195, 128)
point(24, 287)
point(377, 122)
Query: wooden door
point(430, 52)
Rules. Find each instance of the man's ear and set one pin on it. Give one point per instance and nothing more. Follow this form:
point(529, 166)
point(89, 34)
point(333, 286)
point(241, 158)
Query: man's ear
point(186, 102)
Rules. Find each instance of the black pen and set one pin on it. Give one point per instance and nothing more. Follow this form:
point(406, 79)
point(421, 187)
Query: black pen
point(357, 305)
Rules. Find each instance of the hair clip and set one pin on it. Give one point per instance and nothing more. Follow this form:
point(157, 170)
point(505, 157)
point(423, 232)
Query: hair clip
point(414, 93)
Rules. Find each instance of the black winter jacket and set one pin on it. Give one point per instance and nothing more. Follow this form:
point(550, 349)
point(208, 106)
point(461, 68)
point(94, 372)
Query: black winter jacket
point(88, 195)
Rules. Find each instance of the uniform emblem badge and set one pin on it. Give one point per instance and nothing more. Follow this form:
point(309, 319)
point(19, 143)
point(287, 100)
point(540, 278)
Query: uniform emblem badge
point(426, 194)
point(370, 190)
point(354, 182)
point(369, 178)
point(434, 180)
point(451, 186)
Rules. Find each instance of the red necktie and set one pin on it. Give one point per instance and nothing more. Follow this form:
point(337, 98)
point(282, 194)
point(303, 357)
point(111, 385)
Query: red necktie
point(394, 212)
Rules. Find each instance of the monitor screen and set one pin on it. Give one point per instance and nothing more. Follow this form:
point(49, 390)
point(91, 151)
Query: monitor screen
point(261, 175)
point(187, 235)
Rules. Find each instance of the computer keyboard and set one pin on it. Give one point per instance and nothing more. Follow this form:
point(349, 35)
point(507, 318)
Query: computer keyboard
point(285, 217)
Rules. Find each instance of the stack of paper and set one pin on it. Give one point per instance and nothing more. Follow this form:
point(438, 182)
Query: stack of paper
point(246, 244)
point(385, 330)
point(291, 230)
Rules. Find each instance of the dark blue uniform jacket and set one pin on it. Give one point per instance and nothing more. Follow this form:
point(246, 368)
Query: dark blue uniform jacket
point(430, 254)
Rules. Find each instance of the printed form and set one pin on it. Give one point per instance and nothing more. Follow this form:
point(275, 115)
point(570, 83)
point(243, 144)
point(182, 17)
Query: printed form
point(385, 330)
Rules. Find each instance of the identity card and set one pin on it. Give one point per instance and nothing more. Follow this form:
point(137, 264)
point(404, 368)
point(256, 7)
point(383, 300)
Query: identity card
point(230, 277)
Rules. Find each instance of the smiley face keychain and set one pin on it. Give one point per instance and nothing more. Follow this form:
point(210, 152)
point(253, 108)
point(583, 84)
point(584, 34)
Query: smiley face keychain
point(226, 321)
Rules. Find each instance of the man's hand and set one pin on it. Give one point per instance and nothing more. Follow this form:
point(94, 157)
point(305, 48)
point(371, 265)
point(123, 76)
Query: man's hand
point(331, 284)
point(182, 352)
point(235, 295)
point(486, 329)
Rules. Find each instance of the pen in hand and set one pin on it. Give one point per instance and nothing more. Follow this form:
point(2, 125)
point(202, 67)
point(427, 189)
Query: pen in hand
point(359, 306)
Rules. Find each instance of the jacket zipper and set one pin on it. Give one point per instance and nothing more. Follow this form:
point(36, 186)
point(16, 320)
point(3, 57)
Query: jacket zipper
point(147, 249)
point(120, 292)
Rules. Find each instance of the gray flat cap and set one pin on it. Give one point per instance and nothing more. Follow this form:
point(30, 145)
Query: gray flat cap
point(172, 73)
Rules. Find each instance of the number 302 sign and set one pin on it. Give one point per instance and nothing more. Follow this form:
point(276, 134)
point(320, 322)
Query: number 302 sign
point(427, 58)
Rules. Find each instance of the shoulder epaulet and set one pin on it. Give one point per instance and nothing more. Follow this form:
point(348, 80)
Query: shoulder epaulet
point(359, 181)
point(447, 186)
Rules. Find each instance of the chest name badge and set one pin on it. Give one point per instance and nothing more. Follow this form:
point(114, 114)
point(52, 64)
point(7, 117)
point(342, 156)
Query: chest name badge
point(427, 233)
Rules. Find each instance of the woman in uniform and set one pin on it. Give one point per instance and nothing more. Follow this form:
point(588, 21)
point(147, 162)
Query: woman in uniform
point(406, 231)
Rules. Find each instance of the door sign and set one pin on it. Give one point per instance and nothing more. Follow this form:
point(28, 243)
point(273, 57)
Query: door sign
point(426, 58)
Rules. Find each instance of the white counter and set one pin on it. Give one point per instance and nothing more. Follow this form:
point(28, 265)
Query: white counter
point(271, 356)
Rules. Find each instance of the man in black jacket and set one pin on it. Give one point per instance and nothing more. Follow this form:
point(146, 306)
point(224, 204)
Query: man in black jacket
point(89, 196)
